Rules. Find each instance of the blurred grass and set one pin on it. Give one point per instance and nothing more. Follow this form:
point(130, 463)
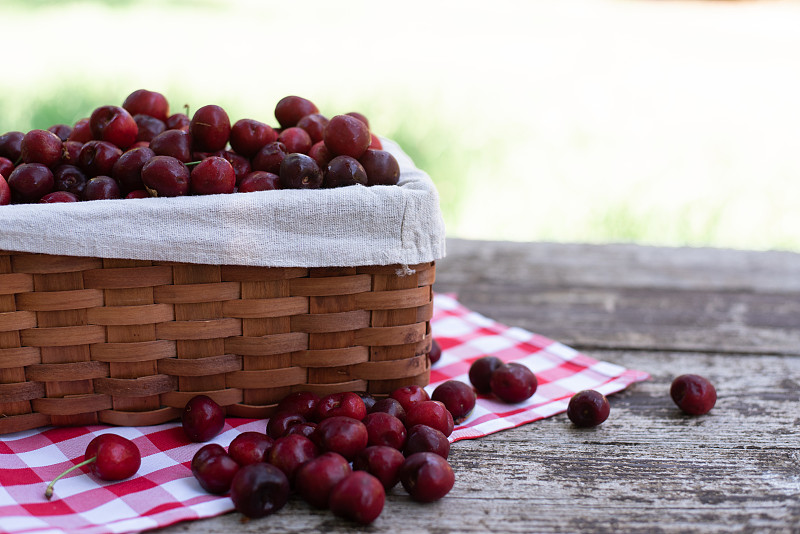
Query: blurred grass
point(593, 121)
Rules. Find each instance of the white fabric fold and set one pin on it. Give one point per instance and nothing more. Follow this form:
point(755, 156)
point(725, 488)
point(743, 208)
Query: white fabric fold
point(343, 227)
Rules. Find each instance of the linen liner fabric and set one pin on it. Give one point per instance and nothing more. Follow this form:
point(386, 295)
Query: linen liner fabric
point(342, 227)
point(164, 491)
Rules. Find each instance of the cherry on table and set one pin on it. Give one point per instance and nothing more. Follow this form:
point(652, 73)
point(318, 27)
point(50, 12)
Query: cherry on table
point(409, 395)
point(423, 438)
point(385, 429)
point(693, 394)
point(344, 435)
point(344, 403)
point(303, 403)
point(214, 468)
point(480, 373)
point(315, 479)
point(289, 452)
point(390, 406)
point(588, 408)
point(250, 447)
point(426, 476)
point(513, 382)
point(431, 413)
point(109, 457)
point(202, 418)
point(359, 497)
point(382, 462)
point(258, 490)
point(435, 354)
point(281, 422)
point(458, 398)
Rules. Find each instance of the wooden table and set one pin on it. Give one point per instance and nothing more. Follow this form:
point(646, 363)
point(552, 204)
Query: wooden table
point(732, 316)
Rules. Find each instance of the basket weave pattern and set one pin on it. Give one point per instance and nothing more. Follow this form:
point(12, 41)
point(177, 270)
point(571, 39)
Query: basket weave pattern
point(129, 342)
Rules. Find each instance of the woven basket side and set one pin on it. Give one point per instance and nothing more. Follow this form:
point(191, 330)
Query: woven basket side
point(129, 342)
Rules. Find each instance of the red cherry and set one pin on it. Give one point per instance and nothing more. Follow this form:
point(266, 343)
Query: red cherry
point(202, 418)
point(109, 457)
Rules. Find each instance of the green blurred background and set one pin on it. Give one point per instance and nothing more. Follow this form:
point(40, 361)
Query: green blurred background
point(657, 122)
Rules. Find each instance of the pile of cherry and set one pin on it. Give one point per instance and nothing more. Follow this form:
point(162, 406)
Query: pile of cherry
point(344, 451)
point(139, 150)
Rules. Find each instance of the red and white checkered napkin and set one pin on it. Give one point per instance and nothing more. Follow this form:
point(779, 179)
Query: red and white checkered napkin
point(164, 491)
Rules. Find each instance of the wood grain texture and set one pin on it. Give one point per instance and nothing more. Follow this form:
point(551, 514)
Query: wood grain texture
point(733, 316)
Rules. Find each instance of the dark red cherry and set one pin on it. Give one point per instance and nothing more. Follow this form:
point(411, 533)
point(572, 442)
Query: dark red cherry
point(202, 418)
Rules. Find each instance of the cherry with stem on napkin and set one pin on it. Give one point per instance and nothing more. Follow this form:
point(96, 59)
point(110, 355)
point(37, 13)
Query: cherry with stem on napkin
point(109, 457)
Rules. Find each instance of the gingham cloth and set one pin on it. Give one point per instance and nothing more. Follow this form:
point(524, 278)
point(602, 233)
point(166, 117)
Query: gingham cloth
point(164, 491)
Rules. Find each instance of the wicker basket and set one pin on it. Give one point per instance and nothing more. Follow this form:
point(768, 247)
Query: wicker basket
point(129, 342)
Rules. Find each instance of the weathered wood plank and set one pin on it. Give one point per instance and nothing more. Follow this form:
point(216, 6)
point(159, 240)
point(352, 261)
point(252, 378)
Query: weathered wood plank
point(631, 297)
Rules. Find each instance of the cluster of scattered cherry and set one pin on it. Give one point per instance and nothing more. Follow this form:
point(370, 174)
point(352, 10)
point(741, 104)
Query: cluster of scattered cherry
point(139, 149)
point(343, 451)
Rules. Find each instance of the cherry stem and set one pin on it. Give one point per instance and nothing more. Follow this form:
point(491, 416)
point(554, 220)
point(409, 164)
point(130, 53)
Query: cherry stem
point(48, 493)
point(192, 163)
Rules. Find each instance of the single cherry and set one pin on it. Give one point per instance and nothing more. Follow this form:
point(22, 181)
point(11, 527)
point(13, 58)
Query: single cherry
point(480, 373)
point(280, 423)
point(385, 429)
point(409, 395)
point(693, 394)
point(431, 413)
point(213, 175)
point(435, 354)
point(343, 171)
point(359, 497)
point(426, 476)
point(300, 402)
point(382, 462)
point(259, 490)
point(299, 171)
point(315, 479)
point(422, 438)
point(381, 167)
point(347, 404)
point(295, 140)
point(41, 146)
point(5, 192)
point(58, 196)
point(250, 447)
point(588, 408)
point(458, 398)
point(289, 452)
point(290, 109)
point(202, 418)
point(269, 158)
point(210, 128)
point(248, 136)
point(30, 181)
point(390, 406)
point(114, 125)
point(165, 176)
point(109, 457)
point(150, 103)
point(213, 468)
point(513, 382)
point(6, 166)
point(101, 188)
point(344, 435)
point(259, 181)
point(346, 136)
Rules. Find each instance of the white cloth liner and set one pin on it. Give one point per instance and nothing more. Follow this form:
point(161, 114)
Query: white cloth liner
point(343, 227)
